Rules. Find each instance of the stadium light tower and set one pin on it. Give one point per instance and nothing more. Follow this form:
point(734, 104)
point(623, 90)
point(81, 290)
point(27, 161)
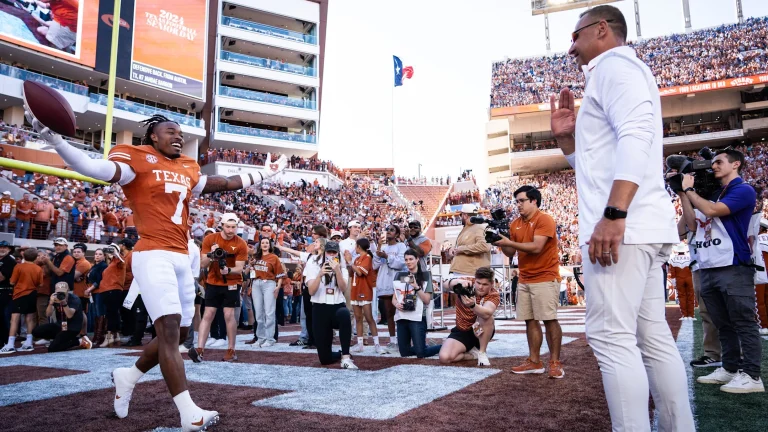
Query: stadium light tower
point(739, 12)
point(545, 7)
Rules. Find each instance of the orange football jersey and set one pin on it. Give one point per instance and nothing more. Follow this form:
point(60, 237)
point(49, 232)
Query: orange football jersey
point(159, 195)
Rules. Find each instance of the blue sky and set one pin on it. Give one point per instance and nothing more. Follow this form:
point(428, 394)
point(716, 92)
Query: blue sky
point(440, 114)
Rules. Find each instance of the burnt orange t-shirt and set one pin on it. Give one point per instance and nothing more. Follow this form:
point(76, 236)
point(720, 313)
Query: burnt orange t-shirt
point(110, 219)
point(159, 196)
point(26, 278)
point(65, 13)
point(361, 288)
point(544, 266)
point(82, 266)
point(237, 250)
point(268, 267)
point(6, 206)
point(45, 288)
point(113, 277)
point(464, 315)
point(128, 270)
point(24, 204)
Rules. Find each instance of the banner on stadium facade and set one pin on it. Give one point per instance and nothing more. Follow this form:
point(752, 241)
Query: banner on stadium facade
point(669, 91)
point(170, 45)
point(66, 30)
point(125, 38)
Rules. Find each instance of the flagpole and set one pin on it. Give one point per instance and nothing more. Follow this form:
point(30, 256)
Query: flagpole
point(392, 126)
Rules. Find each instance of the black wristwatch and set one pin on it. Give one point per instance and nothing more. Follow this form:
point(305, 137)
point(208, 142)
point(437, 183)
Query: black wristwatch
point(689, 189)
point(613, 213)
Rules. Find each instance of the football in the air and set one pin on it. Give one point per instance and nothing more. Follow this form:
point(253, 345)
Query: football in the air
point(49, 108)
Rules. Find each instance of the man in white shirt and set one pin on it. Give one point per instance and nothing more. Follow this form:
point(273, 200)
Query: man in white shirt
point(626, 223)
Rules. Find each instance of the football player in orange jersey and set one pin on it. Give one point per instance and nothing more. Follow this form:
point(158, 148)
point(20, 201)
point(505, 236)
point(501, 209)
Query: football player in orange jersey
point(159, 181)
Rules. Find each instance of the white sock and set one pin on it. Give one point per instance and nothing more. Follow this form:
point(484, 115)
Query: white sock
point(184, 404)
point(376, 340)
point(11, 341)
point(134, 374)
point(28, 341)
point(360, 341)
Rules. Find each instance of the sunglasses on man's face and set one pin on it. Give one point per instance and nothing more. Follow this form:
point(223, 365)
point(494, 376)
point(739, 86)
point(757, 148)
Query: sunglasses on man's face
point(575, 34)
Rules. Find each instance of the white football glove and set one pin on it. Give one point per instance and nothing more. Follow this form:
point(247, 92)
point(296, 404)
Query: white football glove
point(48, 135)
point(276, 167)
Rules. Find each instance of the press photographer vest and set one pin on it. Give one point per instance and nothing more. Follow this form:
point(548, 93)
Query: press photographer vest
point(760, 247)
point(712, 245)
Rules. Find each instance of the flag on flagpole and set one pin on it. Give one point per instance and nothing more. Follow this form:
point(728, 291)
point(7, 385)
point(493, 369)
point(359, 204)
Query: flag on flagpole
point(401, 72)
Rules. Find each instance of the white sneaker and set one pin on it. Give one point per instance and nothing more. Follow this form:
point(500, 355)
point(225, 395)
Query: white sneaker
point(209, 343)
point(267, 344)
point(25, 347)
point(358, 348)
point(347, 363)
point(482, 359)
point(719, 376)
point(392, 347)
point(199, 421)
point(220, 344)
point(7, 349)
point(743, 383)
point(123, 391)
point(378, 349)
point(764, 331)
point(183, 349)
point(42, 342)
point(475, 353)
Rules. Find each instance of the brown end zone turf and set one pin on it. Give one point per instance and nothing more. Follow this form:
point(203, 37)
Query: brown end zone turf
point(503, 401)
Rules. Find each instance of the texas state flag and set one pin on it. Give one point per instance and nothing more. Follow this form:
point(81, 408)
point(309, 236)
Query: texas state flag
point(401, 72)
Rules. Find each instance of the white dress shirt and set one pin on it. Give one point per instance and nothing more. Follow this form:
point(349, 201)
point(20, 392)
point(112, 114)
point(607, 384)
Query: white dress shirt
point(619, 136)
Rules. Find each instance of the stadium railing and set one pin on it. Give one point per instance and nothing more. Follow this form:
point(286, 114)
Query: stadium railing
point(147, 110)
point(56, 83)
point(267, 98)
point(265, 133)
point(269, 30)
point(268, 63)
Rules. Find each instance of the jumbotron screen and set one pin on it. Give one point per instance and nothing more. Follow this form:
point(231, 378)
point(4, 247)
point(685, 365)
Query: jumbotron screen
point(539, 7)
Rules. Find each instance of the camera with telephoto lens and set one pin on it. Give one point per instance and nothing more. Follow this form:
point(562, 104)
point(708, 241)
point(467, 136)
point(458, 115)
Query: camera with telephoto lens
point(220, 255)
point(60, 296)
point(498, 225)
point(462, 290)
point(409, 299)
point(704, 181)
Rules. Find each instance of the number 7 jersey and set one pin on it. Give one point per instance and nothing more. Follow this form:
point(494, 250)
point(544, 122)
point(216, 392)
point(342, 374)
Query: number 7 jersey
point(159, 195)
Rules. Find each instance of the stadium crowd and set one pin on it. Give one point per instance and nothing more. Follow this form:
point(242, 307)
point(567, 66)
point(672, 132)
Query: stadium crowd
point(258, 158)
point(727, 51)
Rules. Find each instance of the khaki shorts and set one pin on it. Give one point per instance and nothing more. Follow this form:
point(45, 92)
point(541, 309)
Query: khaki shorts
point(538, 301)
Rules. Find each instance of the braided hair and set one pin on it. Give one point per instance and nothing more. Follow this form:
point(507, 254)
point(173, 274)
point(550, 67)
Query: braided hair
point(150, 123)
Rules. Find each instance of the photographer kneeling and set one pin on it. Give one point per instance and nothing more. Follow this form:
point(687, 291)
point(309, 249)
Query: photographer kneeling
point(413, 292)
point(474, 319)
point(720, 224)
point(68, 312)
point(326, 286)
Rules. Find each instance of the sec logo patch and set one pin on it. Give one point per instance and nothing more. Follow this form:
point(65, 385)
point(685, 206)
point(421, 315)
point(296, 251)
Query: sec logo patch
point(151, 159)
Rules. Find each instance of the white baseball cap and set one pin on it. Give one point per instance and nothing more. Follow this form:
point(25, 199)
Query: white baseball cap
point(226, 217)
point(353, 223)
point(335, 233)
point(6, 193)
point(468, 208)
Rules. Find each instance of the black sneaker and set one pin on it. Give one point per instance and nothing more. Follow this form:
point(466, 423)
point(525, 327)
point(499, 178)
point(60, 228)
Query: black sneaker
point(196, 354)
point(705, 362)
point(298, 342)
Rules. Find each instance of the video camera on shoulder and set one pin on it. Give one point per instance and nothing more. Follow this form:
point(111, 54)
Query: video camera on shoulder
point(498, 224)
point(704, 181)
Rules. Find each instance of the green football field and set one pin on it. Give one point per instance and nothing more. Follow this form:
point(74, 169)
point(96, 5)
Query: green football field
point(717, 411)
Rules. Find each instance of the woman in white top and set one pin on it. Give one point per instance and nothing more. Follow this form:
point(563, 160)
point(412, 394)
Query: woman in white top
point(93, 233)
point(413, 292)
point(326, 286)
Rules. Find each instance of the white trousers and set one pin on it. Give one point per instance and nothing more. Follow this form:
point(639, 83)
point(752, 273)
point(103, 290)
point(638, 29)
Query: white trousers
point(264, 301)
point(628, 332)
